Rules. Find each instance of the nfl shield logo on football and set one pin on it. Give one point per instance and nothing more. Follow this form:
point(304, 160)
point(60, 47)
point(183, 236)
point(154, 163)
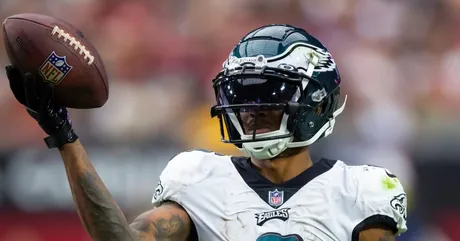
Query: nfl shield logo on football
point(275, 198)
point(54, 69)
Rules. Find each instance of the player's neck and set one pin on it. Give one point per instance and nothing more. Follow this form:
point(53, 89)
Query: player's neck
point(282, 169)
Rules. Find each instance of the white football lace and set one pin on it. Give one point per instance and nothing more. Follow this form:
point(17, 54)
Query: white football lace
point(73, 43)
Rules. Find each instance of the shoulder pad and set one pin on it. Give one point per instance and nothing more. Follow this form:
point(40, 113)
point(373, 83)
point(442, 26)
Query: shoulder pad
point(380, 198)
point(182, 170)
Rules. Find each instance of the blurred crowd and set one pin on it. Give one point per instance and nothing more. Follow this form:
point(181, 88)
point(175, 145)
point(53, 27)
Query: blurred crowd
point(399, 61)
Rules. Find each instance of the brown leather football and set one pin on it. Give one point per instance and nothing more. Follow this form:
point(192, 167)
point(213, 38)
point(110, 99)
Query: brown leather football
point(60, 54)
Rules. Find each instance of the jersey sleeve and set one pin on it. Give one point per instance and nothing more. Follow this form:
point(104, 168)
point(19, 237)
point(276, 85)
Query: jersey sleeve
point(381, 199)
point(181, 171)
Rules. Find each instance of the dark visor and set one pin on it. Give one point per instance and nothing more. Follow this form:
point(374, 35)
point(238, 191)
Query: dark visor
point(236, 91)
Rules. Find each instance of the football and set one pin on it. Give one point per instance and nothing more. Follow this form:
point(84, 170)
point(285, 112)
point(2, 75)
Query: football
point(61, 55)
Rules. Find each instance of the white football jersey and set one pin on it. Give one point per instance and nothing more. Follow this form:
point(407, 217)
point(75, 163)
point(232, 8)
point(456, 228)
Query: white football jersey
point(227, 199)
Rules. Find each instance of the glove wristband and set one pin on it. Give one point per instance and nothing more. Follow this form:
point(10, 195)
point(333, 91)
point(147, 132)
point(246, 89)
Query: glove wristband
point(57, 141)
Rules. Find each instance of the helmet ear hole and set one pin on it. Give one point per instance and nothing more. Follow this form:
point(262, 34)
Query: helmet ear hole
point(327, 106)
point(320, 110)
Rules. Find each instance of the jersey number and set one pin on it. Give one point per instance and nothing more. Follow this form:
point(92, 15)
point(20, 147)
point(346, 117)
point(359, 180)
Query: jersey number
point(279, 237)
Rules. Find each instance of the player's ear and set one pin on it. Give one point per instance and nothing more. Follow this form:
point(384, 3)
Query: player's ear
point(16, 83)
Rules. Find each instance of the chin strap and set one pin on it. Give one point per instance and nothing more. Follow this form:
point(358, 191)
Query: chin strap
point(270, 149)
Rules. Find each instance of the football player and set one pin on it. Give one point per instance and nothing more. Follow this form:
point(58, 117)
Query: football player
point(277, 94)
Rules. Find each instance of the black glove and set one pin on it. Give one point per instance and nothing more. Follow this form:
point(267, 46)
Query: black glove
point(37, 96)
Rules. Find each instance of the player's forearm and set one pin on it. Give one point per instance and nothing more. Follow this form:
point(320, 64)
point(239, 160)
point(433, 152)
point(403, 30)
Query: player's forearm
point(101, 216)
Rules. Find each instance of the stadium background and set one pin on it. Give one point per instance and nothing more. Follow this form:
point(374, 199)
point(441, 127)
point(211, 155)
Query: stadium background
point(400, 62)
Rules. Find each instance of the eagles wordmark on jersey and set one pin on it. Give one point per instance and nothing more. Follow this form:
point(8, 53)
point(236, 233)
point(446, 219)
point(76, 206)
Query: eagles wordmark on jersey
point(282, 214)
point(228, 200)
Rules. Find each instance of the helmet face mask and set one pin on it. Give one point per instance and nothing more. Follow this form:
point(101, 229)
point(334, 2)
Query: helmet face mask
point(252, 89)
point(295, 81)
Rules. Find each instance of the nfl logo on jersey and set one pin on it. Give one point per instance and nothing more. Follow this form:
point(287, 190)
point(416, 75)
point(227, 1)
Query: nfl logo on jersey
point(275, 198)
point(55, 68)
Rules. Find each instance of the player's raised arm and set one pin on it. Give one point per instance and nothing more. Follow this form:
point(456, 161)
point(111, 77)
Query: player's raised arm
point(98, 211)
point(100, 214)
point(102, 217)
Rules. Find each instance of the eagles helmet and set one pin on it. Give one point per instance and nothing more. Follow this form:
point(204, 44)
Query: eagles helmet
point(278, 67)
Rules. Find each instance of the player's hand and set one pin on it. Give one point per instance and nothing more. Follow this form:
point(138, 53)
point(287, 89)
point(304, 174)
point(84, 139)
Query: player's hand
point(37, 96)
